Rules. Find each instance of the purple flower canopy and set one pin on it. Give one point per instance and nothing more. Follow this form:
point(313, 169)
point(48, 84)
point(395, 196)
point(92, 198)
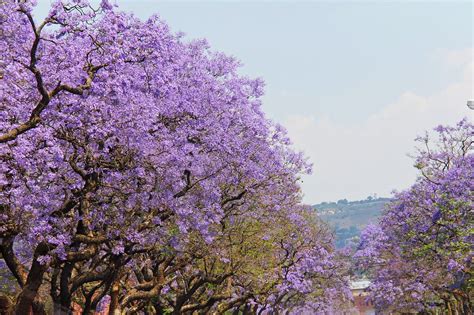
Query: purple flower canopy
point(108, 103)
point(121, 147)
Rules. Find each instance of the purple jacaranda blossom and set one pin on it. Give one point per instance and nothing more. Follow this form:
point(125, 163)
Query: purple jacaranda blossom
point(421, 251)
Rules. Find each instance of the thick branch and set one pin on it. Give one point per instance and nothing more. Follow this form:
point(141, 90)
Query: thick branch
point(15, 266)
point(89, 239)
point(227, 306)
point(88, 277)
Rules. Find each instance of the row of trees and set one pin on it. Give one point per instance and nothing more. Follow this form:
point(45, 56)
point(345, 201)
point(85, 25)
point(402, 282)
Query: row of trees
point(138, 172)
point(420, 255)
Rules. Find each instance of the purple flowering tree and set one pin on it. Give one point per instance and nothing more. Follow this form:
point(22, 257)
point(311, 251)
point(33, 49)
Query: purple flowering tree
point(121, 148)
point(420, 255)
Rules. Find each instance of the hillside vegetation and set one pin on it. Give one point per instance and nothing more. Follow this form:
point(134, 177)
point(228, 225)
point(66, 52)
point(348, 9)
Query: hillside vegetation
point(349, 218)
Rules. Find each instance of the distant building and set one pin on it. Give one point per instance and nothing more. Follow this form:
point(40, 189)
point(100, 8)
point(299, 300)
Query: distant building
point(362, 306)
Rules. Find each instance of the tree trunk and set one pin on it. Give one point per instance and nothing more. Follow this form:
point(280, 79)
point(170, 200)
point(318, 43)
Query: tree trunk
point(24, 304)
point(114, 299)
point(65, 295)
point(6, 305)
point(38, 307)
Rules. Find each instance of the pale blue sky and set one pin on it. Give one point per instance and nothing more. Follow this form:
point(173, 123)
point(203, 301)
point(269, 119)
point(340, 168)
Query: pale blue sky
point(341, 75)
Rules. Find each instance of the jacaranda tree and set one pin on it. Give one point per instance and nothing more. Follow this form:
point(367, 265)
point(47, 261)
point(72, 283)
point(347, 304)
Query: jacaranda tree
point(421, 254)
point(122, 147)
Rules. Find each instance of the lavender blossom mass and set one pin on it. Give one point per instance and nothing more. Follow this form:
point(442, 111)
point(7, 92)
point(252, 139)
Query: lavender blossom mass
point(139, 173)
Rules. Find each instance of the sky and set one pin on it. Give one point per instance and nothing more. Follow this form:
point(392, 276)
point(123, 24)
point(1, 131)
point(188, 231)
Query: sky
point(353, 82)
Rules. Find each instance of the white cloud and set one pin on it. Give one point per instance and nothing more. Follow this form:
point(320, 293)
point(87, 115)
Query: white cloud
point(354, 161)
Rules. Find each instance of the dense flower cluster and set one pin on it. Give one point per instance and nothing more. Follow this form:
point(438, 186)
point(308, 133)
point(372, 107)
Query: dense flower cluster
point(421, 253)
point(130, 161)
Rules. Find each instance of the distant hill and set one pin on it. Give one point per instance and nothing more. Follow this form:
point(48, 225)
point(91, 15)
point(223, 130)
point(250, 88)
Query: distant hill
point(349, 218)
